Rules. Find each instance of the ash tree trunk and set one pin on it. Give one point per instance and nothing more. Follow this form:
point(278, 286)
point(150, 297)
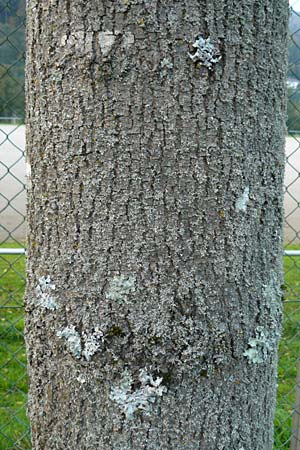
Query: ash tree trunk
point(155, 137)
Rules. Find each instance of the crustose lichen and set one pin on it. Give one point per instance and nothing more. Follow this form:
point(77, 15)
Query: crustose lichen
point(206, 53)
point(119, 288)
point(241, 203)
point(140, 399)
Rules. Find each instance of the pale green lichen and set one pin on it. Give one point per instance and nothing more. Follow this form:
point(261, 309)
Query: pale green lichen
point(86, 345)
point(73, 340)
point(120, 287)
point(241, 203)
point(206, 53)
point(131, 400)
point(272, 291)
point(166, 63)
point(44, 291)
point(259, 347)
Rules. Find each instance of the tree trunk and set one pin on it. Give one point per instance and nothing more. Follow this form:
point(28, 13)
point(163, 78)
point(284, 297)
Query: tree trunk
point(155, 136)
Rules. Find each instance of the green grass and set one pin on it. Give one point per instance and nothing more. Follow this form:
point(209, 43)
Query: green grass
point(289, 353)
point(13, 378)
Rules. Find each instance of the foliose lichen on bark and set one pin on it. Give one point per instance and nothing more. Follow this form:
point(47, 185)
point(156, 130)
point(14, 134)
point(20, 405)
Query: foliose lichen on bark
point(259, 347)
point(92, 343)
point(44, 293)
point(130, 399)
point(73, 340)
point(206, 52)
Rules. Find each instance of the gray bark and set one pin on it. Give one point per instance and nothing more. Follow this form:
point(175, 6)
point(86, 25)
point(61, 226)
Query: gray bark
point(153, 302)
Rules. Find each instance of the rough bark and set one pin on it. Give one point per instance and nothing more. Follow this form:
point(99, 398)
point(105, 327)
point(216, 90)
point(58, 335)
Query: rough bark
point(155, 214)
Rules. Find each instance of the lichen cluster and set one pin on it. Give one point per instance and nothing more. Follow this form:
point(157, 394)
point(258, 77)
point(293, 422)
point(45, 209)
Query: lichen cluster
point(73, 340)
point(259, 347)
point(92, 343)
point(132, 399)
point(44, 292)
point(86, 345)
point(119, 288)
point(168, 343)
point(206, 53)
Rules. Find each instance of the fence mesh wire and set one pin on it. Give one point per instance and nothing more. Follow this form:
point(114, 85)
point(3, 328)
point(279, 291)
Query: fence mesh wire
point(14, 427)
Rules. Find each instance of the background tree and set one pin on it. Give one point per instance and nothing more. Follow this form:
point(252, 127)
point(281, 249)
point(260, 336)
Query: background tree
point(12, 47)
point(156, 144)
point(294, 45)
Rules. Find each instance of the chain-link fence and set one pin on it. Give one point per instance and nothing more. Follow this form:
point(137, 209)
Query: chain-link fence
point(287, 431)
point(14, 428)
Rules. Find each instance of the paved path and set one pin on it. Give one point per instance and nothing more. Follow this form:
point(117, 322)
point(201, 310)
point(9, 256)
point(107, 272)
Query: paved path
point(12, 144)
point(12, 181)
point(292, 191)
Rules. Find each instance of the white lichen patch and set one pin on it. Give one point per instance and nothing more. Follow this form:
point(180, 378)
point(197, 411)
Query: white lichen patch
point(106, 41)
point(92, 343)
point(44, 291)
point(81, 379)
point(63, 40)
point(272, 300)
point(131, 400)
point(206, 53)
point(272, 291)
point(119, 288)
point(73, 340)
point(241, 203)
point(85, 345)
point(128, 39)
point(166, 63)
point(259, 347)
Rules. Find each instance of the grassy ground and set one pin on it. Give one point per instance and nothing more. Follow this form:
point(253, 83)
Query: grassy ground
point(289, 353)
point(13, 379)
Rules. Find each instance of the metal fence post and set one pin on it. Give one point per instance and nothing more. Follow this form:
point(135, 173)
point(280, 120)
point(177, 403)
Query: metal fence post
point(295, 439)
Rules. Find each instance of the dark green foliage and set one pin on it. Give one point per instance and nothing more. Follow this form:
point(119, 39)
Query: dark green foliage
point(294, 46)
point(293, 119)
point(12, 51)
